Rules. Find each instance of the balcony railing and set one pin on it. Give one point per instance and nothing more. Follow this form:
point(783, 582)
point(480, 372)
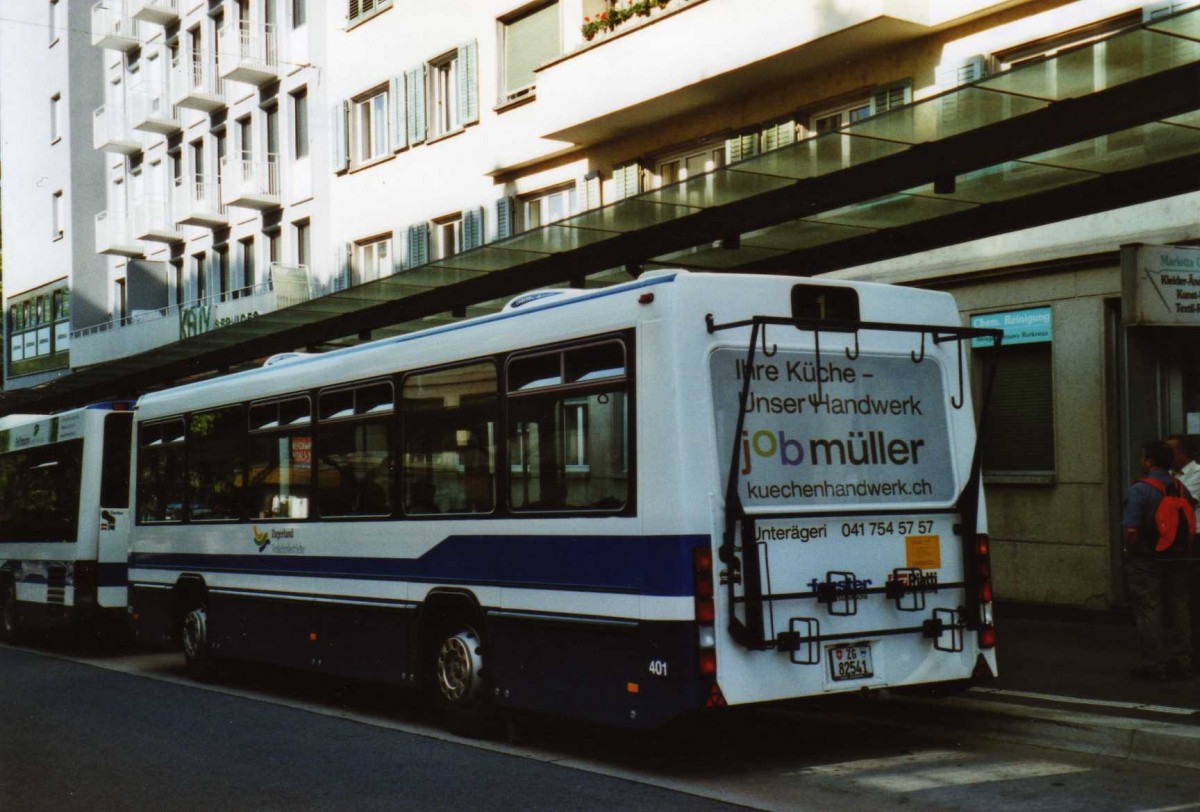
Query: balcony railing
point(112, 27)
point(159, 12)
point(151, 110)
point(111, 134)
point(195, 84)
point(112, 237)
point(250, 183)
point(249, 52)
point(154, 219)
point(197, 203)
point(144, 330)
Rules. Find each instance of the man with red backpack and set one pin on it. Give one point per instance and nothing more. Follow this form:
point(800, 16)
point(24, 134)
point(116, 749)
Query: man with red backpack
point(1158, 523)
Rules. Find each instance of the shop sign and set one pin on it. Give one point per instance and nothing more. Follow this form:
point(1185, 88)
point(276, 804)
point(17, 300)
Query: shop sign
point(1030, 326)
point(1161, 284)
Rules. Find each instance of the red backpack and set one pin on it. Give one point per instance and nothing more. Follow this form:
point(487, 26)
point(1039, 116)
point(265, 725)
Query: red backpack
point(1174, 520)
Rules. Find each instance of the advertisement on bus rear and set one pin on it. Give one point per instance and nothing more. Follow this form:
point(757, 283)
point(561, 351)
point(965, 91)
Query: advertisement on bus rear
point(831, 431)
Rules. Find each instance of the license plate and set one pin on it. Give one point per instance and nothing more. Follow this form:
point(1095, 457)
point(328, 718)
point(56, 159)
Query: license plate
point(850, 662)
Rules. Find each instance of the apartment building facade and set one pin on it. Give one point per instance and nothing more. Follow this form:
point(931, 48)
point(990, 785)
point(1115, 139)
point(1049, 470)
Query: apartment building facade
point(52, 274)
point(254, 154)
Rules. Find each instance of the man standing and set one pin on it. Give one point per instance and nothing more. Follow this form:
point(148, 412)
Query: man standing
point(1155, 584)
point(1188, 472)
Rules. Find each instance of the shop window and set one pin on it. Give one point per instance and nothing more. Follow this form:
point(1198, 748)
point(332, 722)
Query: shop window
point(1019, 436)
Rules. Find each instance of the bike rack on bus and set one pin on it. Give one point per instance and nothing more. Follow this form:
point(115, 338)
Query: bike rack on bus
point(908, 586)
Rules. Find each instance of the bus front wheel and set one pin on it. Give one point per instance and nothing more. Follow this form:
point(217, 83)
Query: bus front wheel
point(8, 612)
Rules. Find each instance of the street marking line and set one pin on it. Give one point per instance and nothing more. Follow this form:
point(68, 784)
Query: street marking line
point(1100, 703)
point(967, 775)
point(848, 768)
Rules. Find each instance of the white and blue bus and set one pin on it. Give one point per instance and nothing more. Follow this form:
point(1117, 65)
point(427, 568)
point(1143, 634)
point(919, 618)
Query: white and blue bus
point(64, 523)
point(686, 491)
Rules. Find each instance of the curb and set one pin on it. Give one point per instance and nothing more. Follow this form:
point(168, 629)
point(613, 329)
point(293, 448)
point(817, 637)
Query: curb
point(1135, 739)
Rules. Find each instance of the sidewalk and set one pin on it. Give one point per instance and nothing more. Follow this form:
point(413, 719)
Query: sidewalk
point(1064, 683)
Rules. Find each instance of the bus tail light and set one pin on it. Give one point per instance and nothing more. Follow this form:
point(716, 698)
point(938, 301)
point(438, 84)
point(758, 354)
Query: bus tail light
point(987, 636)
point(706, 610)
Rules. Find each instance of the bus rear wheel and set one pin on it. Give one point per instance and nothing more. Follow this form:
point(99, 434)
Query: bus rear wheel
point(197, 648)
point(457, 678)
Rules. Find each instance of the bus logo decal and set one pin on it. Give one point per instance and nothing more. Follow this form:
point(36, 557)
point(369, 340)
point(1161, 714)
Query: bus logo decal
point(260, 539)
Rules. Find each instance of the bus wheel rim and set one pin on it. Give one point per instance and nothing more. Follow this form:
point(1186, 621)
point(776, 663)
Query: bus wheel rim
point(458, 667)
point(194, 633)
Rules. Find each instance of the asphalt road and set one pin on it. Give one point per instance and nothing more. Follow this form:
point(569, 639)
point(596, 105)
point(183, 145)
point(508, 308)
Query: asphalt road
point(127, 730)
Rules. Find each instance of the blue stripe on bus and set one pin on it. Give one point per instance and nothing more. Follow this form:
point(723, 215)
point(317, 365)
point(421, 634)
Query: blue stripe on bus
point(647, 565)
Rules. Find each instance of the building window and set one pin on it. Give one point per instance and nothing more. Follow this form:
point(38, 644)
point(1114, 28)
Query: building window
point(303, 242)
point(371, 126)
point(443, 95)
point(679, 166)
point(55, 118)
point(529, 39)
point(300, 123)
point(548, 207)
point(120, 304)
point(299, 13)
point(57, 224)
point(831, 120)
point(200, 276)
point(363, 9)
point(245, 138)
point(224, 283)
point(177, 281)
point(273, 238)
point(447, 236)
point(373, 258)
point(55, 25)
point(246, 260)
point(272, 114)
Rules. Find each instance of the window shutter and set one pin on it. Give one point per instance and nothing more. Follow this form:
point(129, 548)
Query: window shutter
point(399, 250)
point(627, 180)
point(779, 135)
point(504, 217)
point(1020, 434)
point(341, 276)
point(891, 97)
point(588, 190)
point(399, 126)
point(528, 42)
point(741, 147)
point(341, 152)
point(468, 84)
point(414, 81)
point(353, 10)
point(418, 245)
point(472, 234)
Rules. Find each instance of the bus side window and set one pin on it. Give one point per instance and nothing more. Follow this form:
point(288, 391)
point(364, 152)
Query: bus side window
point(355, 439)
point(568, 430)
point(160, 475)
point(450, 440)
point(114, 480)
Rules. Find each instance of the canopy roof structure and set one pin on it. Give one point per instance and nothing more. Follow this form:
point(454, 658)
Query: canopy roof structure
point(1109, 124)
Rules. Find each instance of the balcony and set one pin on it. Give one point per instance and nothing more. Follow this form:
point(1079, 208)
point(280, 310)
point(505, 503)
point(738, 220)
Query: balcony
point(151, 111)
point(112, 27)
point(195, 84)
point(113, 238)
point(154, 220)
point(197, 203)
point(158, 12)
point(249, 183)
point(111, 133)
point(249, 52)
point(647, 82)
